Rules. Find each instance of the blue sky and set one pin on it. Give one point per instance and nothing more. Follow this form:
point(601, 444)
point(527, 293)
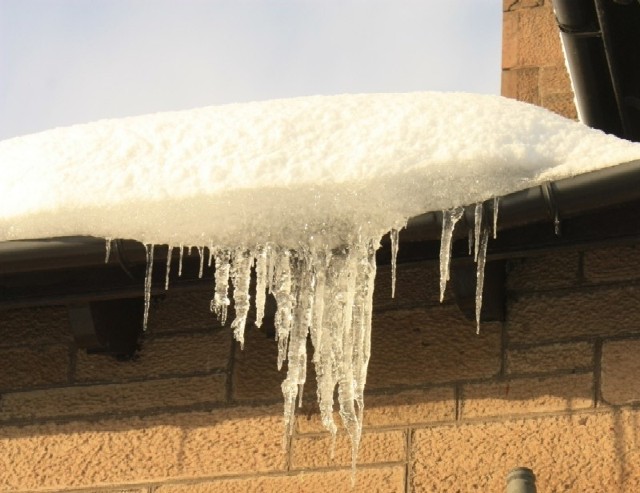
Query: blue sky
point(72, 61)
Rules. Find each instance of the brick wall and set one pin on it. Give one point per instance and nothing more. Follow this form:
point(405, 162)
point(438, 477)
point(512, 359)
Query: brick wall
point(555, 387)
point(533, 68)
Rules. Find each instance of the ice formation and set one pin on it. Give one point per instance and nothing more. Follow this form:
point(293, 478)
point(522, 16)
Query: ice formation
point(300, 191)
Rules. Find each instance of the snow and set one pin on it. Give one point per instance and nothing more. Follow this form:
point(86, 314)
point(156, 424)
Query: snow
point(299, 191)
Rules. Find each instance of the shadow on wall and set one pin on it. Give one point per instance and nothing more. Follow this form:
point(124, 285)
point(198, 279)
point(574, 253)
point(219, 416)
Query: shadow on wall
point(553, 388)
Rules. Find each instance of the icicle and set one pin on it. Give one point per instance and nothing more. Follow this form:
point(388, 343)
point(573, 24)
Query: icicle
point(180, 261)
point(201, 253)
point(477, 228)
point(496, 204)
point(482, 258)
point(147, 284)
point(210, 254)
point(107, 247)
point(220, 301)
point(261, 284)
point(282, 293)
point(470, 241)
point(241, 278)
point(169, 253)
point(292, 387)
point(449, 220)
point(394, 255)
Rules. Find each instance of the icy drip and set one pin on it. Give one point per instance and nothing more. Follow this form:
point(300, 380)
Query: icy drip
point(481, 261)
point(201, 269)
point(147, 284)
point(168, 272)
point(449, 220)
point(107, 248)
point(477, 229)
point(241, 278)
point(220, 301)
point(281, 289)
point(394, 256)
point(261, 283)
point(180, 260)
point(496, 204)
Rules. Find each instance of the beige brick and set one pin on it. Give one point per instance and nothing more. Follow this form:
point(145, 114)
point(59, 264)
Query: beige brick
point(538, 38)
point(32, 367)
point(543, 359)
point(375, 447)
point(521, 84)
point(112, 399)
point(555, 80)
point(141, 450)
point(182, 311)
point(417, 284)
point(165, 356)
point(399, 409)
point(594, 453)
point(620, 372)
point(621, 263)
point(528, 395)
point(510, 39)
point(41, 325)
point(368, 480)
point(586, 313)
point(562, 104)
point(556, 270)
point(431, 345)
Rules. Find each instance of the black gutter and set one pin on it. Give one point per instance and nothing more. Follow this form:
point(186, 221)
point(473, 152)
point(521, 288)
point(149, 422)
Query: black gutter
point(601, 39)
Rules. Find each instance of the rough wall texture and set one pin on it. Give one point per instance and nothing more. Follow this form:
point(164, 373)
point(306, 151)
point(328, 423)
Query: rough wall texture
point(554, 387)
point(533, 68)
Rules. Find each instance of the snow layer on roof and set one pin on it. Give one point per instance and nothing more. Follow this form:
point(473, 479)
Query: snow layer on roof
point(315, 170)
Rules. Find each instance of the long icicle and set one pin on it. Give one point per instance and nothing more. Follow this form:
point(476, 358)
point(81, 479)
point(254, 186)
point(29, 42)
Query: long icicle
point(482, 258)
point(147, 284)
point(107, 247)
point(477, 229)
point(394, 235)
point(449, 219)
point(496, 205)
point(168, 272)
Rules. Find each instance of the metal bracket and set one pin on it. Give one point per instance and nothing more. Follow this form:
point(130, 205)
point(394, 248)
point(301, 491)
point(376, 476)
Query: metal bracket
point(111, 327)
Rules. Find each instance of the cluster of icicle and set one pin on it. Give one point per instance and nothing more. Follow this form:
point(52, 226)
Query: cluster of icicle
point(325, 295)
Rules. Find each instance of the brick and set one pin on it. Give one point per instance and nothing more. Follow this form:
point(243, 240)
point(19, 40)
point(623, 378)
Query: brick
point(530, 395)
point(562, 315)
point(141, 450)
point(521, 84)
point(431, 345)
point(183, 311)
point(555, 80)
point(399, 409)
point(556, 270)
point(595, 453)
point(368, 480)
point(510, 39)
point(621, 263)
point(33, 367)
point(112, 399)
point(417, 284)
point(375, 447)
point(41, 325)
point(562, 104)
point(544, 359)
point(620, 370)
point(538, 38)
point(162, 356)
